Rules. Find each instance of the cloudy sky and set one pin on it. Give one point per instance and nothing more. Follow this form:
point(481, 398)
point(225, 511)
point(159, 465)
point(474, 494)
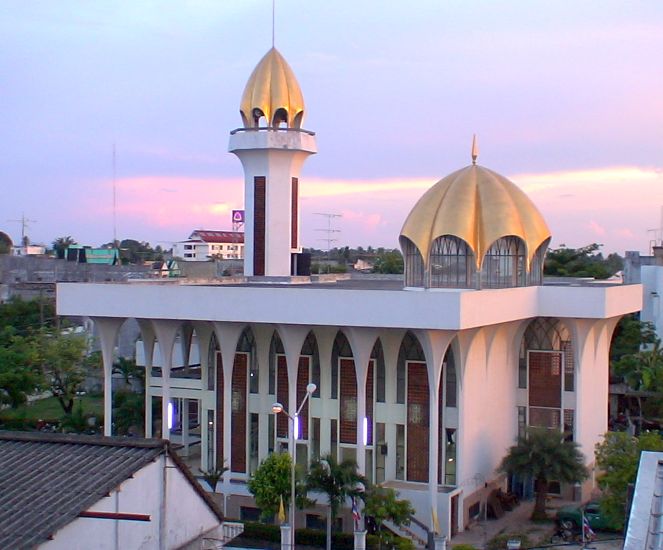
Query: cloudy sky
point(566, 98)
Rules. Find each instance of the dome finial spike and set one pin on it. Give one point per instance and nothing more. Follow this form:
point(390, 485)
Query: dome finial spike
point(475, 149)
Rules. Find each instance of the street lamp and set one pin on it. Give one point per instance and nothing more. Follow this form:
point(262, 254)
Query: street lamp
point(278, 408)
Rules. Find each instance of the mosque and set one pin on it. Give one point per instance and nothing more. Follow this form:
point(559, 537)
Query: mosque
point(425, 382)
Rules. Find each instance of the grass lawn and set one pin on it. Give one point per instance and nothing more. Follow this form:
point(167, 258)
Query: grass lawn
point(50, 409)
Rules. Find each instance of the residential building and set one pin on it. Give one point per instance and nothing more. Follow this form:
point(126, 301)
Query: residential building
point(424, 381)
point(204, 245)
point(79, 492)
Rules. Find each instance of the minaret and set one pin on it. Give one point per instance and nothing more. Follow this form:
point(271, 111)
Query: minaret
point(272, 147)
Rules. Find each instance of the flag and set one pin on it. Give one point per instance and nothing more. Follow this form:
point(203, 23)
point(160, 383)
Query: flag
point(587, 531)
point(355, 511)
point(281, 515)
point(436, 522)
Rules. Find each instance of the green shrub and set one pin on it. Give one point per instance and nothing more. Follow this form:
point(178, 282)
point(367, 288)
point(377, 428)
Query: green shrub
point(463, 547)
point(306, 537)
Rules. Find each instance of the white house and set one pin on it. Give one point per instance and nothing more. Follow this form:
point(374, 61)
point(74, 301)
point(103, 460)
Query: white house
point(75, 492)
point(425, 382)
point(204, 244)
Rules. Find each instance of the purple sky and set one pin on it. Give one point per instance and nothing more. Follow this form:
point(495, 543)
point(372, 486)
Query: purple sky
point(566, 98)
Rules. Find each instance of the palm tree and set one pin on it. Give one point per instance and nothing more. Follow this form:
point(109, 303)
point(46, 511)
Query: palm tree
point(546, 456)
point(338, 481)
point(62, 243)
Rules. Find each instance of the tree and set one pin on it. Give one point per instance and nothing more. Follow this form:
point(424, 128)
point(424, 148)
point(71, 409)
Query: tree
point(213, 476)
point(130, 371)
point(643, 372)
point(546, 456)
point(63, 359)
point(630, 335)
point(388, 262)
point(382, 504)
point(61, 244)
point(585, 261)
point(618, 457)
point(19, 368)
point(271, 483)
point(337, 481)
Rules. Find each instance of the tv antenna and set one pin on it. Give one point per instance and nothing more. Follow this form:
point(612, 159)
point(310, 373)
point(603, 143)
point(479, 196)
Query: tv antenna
point(329, 230)
point(657, 233)
point(25, 223)
point(115, 244)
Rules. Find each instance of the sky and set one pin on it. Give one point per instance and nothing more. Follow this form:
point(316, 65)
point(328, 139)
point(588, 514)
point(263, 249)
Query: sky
point(565, 96)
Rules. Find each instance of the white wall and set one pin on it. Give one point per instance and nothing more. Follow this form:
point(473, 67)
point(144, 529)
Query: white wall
point(186, 515)
point(652, 306)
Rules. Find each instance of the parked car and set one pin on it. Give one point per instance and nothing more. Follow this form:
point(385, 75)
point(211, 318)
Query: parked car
point(570, 517)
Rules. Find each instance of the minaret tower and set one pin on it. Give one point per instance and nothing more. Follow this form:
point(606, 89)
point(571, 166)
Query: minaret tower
point(272, 147)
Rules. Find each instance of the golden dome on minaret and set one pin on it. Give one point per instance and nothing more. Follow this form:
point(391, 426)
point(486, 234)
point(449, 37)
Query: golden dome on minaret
point(273, 92)
point(478, 206)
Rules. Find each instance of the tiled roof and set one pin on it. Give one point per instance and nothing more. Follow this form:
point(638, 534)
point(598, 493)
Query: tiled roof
point(47, 480)
point(210, 236)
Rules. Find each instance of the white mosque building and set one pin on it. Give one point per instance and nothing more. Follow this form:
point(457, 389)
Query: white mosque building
point(425, 382)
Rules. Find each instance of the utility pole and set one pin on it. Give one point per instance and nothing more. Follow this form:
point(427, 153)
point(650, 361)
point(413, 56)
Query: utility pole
point(329, 230)
point(25, 223)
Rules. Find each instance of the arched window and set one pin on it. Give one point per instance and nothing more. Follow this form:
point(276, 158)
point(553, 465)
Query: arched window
point(341, 348)
point(380, 375)
point(546, 369)
point(247, 344)
point(310, 348)
point(505, 264)
point(414, 263)
point(275, 347)
point(451, 263)
point(536, 267)
point(410, 350)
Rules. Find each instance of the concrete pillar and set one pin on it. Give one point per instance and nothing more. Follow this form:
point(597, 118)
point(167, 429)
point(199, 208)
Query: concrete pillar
point(149, 338)
point(435, 344)
point(285, 537)
point(166, 332)
point(292, 337)
point(440, 543)
point(227, 334)
point(360, 540)
point(108, 329)
point(185, 426)
point(361, 341)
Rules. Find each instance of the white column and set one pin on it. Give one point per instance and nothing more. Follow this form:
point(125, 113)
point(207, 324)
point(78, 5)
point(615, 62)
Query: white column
point(292, 337)
point(166, 332)
point(227, 335)
point(185, 426)
point(149, 338)
point(434, 344)
point(361, 341)
point(108, 330)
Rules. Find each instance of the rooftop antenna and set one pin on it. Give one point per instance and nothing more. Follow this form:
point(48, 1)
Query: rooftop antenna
point(114, 198)
point(25, 223)
point(657, 232)
point(475, 149)
point(273, 19)
point(329, 229)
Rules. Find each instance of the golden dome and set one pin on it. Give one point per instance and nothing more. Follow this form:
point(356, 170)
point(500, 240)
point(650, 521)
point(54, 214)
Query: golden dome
point(273, 92)
point(478, 206)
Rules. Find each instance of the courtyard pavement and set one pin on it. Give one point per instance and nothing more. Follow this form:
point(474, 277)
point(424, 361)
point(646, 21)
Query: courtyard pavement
point(518, 521)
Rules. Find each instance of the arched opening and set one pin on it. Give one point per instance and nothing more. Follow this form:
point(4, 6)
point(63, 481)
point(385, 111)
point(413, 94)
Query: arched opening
point(451, 263)
point(280, 117)
point(505, 264)
point(414, 263)
point(536, 266)
point(244, 366)
point(412, 438)
point(546, 368)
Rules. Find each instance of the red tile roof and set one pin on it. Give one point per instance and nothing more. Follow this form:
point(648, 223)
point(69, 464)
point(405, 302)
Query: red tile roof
point(210, 236)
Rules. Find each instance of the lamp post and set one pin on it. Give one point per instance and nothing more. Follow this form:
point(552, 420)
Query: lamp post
point(278, 408)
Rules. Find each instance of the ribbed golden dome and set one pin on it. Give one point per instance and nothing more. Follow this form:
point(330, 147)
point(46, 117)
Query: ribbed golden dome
point(478, 206)
point(273, 92)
